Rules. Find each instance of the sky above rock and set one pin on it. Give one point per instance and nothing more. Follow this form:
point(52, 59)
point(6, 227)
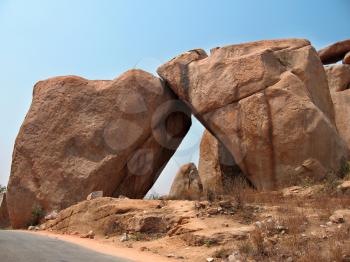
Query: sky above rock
point(101, 39)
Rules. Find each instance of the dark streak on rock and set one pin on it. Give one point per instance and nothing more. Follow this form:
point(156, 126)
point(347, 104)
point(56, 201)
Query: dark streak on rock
point(271, 142)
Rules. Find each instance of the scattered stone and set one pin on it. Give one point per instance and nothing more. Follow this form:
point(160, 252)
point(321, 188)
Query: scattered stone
point(125, 237)
point(210, 259)
point(225, 204)
point(258, 224)
point(31, 228)
point(298, 191)
point(340, 216)
point(122, 197)
point(147, 224)
point(235, 257)
point(289, 259)
point(344, 187)
point(143, 248)
point(212, 211)
point(90, 235)
point(52, 215)
point(329, 223)
point(94, 195)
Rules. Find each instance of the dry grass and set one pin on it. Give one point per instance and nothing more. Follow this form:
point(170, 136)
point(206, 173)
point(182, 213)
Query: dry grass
point(293, 213)
point(222, 253)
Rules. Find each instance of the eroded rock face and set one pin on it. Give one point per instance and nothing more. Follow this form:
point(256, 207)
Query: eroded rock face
point(268, 102)
point(4, 216)
point(81, 136)
point(187, 184)
point(217, 168)
point(339, 85)
point(334, 52)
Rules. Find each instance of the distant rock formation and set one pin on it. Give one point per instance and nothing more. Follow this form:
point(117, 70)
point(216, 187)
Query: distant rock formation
point(339, 85)
point(217, 169)
point(81, 136)
point(268, 102)
point(187, 184)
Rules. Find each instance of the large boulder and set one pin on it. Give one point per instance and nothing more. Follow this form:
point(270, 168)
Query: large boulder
point(81, 136)
point(268, 102)
point(217, 168)
point(187, 184)
point(4, 216)
point(339, 85)
point(334, 52)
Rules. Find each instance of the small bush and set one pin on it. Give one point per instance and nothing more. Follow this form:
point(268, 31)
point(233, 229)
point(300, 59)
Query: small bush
point(153, 196)
point(3, 189)
point(246, 247)
point(37, 215)
point(139, 237)
point(210, 242)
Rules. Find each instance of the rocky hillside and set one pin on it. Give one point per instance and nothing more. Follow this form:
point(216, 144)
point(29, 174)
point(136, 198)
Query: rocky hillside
point(309, 223)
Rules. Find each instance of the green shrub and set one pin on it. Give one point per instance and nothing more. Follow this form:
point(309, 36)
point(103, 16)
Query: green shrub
point(37, 215)
point(3, 189)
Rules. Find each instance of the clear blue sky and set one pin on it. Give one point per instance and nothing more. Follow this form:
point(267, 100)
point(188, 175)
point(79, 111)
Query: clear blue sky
point(100, 39)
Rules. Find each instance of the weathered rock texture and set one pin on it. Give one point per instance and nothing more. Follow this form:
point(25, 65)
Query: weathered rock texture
point(335, 52)
point(187, 183)
point(217, 169)
point(339, 85)
point(106, 216)
point(346, 59)
point(4, 216)
point(82, 136)
point(268, 102)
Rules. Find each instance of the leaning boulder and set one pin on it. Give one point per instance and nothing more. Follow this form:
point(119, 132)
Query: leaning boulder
point(217, 169)
point(268, 102)
point(339, 85)
point(335, 52)
point(187, 184)
point(81, 136)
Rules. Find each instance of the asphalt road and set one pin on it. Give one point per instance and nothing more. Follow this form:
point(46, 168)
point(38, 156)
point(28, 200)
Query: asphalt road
point(25, 247)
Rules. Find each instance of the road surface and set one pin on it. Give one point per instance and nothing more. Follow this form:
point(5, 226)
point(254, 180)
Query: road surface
point(25, 247)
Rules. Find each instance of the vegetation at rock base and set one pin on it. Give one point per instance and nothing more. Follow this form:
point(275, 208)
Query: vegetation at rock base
point(37, 215)
point(2, 189)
